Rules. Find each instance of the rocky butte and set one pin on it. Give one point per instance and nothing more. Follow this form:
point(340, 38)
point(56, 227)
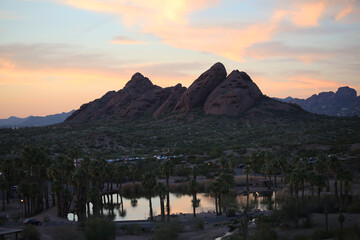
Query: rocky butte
point(213, 92)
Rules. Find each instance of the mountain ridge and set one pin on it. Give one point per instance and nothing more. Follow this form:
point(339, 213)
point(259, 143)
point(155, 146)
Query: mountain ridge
point(213, 92)
point(34, 121)
point(343, 103)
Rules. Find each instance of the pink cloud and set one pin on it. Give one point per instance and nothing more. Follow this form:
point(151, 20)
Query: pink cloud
point(123, 40)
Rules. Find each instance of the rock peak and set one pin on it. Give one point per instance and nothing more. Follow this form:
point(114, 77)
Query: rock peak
point(346, 91)
point(199, 90)
point(139, 83)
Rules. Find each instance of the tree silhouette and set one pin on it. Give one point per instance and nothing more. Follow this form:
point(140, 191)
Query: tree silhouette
point(148, 184)
point(167, 169)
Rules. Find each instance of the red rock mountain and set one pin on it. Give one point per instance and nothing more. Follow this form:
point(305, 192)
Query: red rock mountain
point(213, 93)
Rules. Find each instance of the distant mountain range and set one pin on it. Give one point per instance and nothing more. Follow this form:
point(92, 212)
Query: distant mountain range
point(343, 103)
point(34, 121)
point(213, 92)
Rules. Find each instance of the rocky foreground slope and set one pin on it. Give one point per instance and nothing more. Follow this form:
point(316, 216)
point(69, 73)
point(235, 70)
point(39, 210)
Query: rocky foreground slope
point(213, 92)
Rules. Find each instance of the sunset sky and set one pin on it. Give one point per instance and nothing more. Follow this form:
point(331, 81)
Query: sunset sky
point(58, 54)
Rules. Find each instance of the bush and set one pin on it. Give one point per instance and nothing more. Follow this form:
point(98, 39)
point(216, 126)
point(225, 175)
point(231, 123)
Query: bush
point(321, 234)
point(132, 229)
point(264, 232)
point(30, 233)
point(349, 233)
point(46, 219)
point(65, 233)
point(301, 237)
point(100, 228)
point(16, 217)
point(198, 223)
point(167, 231)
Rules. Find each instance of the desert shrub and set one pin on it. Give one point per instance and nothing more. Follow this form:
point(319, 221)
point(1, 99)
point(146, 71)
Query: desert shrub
point(16, 217)
point(293, 210)
point(321, 234)
point(301, 237)
point(348, 233)
point(46, 219)
point(30, 233)
point(132, 229)
point(100, 228)
point(272, 219)
point(236, 237)
point(66, 232)
point(353, 206)
point(167, 231)
point(198, 223)
point(264, 232)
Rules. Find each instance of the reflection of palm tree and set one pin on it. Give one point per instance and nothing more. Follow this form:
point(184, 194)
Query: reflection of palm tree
point(122, 212)
point(133, 202)
point(148, 184)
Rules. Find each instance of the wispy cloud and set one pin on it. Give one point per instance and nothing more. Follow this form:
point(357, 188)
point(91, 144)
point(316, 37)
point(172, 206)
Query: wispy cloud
point(296, 85)
point(9, 16)
point(123, 40)
point(170, 21)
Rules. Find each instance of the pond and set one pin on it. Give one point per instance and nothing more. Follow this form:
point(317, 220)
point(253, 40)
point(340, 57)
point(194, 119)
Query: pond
point(139, 209)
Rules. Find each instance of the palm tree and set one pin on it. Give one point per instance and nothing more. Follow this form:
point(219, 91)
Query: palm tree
point(160, 190)
point(59, 173)
point(97, 169)
point(36, 162)
point(282, 165)
point(344, 176)
point(225, 181)
point(247, 170)
point(192, 186)
point(215, 188)
point(120, 171)
point(148, 183)
point(132, 170)
point(334, 166)
point(166, 169)
point(3, 185)
point(232, 163)
point(320, 183)
point(80, 181)
point(321, 167)
point(312, 179)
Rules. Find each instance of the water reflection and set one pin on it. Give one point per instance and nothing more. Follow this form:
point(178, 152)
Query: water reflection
point(120, 208)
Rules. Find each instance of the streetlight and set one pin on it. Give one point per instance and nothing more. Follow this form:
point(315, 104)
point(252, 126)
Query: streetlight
point(22, 204)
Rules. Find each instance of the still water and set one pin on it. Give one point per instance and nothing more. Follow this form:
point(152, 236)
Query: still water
point(139, 209)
